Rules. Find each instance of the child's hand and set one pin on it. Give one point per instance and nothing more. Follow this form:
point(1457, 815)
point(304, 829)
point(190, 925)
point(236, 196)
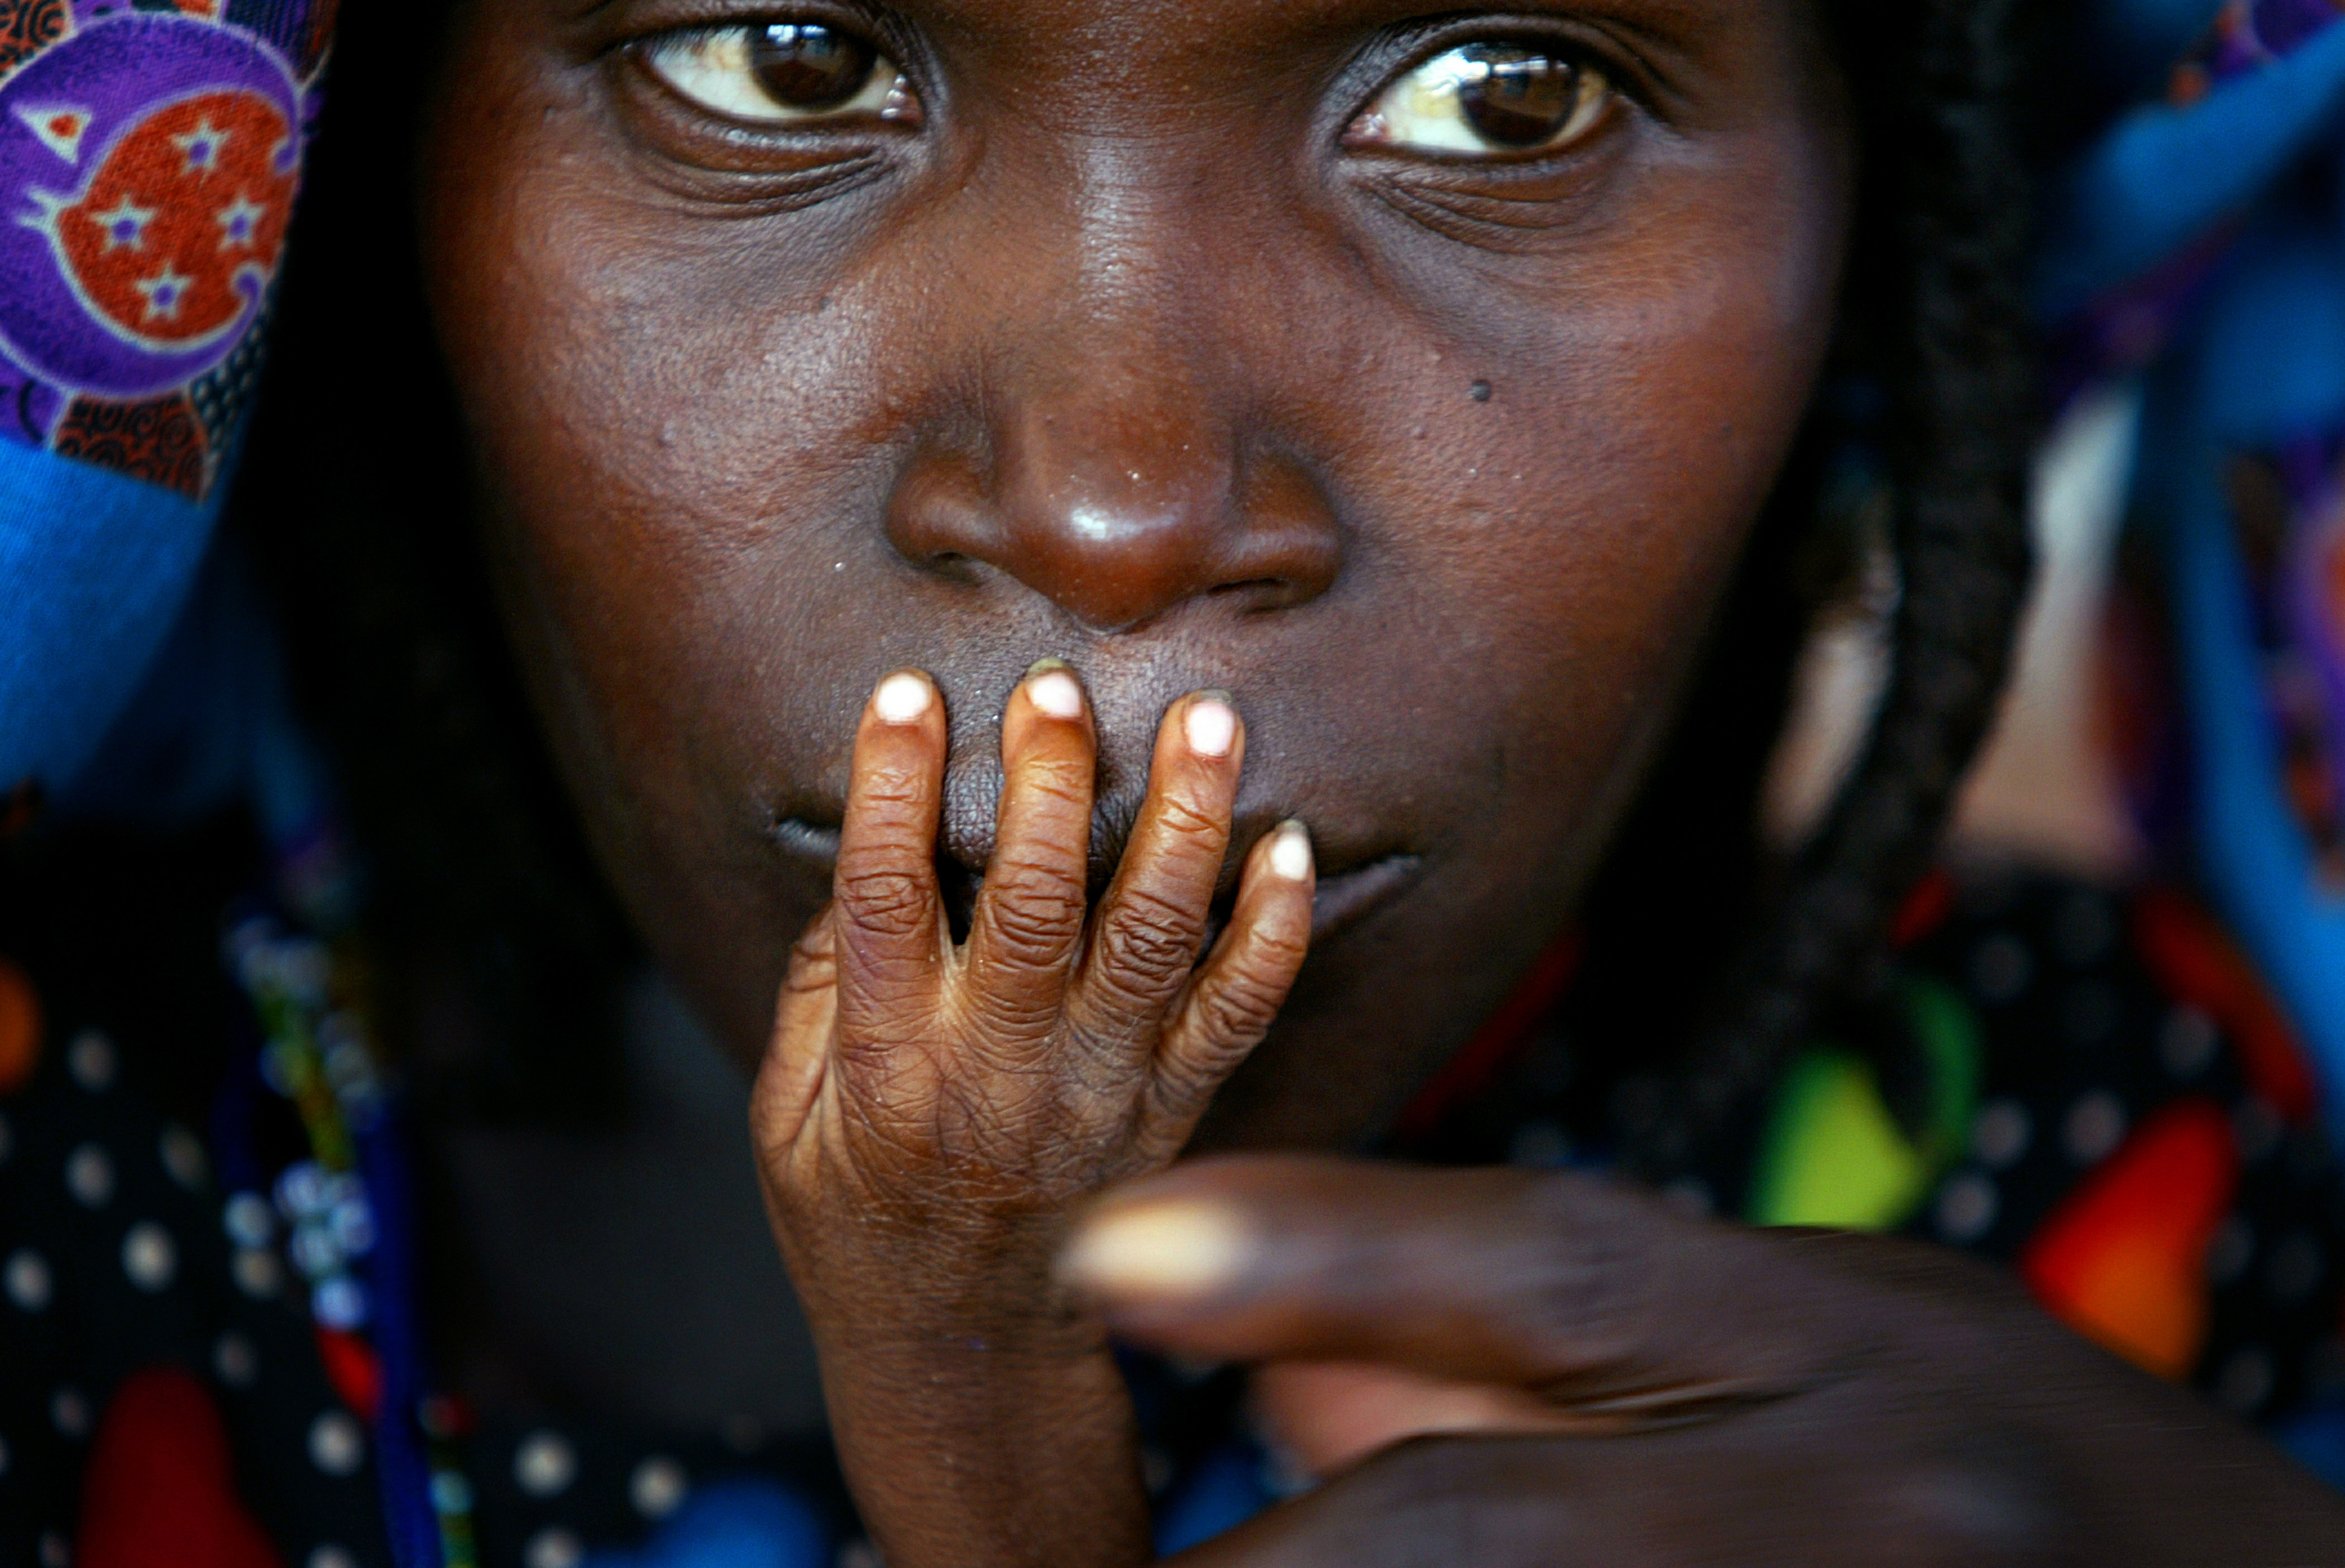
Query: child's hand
point(928, 1114)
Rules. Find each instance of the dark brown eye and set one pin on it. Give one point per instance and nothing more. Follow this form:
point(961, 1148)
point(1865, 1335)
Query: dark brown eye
point(1487, 98)
point(783, 73)
point(1519, 97)
point(810, 68)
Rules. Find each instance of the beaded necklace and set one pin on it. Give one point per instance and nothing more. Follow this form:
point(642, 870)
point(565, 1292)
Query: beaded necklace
point(347, 1219)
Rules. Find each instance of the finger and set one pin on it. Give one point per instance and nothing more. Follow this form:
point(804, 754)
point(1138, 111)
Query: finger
point(1590, 1293)
point(887, 916)
point(1235, 996)
point(1030, 907)
point(1328, 1416)
point(790, 1078)
point(1152, 923)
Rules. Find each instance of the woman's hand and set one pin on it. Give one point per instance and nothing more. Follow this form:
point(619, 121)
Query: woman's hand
point(1620, 1384)
point(928, 1114)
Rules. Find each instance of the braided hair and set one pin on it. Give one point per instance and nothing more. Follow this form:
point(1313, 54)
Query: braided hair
point(1939, 320)
point(479, 859)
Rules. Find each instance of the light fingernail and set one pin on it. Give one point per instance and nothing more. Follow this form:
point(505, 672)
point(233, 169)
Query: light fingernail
point(1055, 694)
point(902, 699)
point(1157, 1251)
point(1290, 851)
point(1211, 726)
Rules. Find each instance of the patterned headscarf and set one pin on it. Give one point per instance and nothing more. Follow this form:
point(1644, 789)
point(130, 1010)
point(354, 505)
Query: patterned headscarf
point(148, 163)
point(2198, 249)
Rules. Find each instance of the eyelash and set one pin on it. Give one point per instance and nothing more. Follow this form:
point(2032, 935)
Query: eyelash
point(1615, 84)
point(1570, 108)
point(689, 62)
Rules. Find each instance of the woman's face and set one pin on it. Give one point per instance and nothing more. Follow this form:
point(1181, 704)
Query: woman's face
point(1415, 379)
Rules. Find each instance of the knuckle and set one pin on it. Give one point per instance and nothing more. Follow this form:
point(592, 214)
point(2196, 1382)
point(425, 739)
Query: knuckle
point(1033, 917)
point(1585, 1280)
point(893, 796)
point(1058, 788)
point(1186, 820)
point(1276, 951)
point(1150, 936)
point(884, 901)
point(1012, 1014)
point(1238, 1010)
point(1244, 999)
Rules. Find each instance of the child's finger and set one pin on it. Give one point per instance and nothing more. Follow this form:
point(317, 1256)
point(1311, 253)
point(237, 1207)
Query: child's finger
point(1238, 992)
point(887, 915)
point(1030, 909)
point(795, 1061)
point(1151, 925)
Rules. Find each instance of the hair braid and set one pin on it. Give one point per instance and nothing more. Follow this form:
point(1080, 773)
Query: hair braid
point(1954, 348)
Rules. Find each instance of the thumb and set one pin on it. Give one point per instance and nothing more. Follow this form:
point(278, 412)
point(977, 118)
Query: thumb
point(1598, 1297)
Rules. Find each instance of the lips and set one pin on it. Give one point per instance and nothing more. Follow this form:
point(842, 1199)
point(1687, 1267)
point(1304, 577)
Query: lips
point(1352, 886)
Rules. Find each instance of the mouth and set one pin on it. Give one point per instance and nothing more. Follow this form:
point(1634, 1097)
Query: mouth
point(1351, 886)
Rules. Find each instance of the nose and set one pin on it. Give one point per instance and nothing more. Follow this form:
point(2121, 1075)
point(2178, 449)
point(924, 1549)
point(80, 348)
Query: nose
point(1120, 495)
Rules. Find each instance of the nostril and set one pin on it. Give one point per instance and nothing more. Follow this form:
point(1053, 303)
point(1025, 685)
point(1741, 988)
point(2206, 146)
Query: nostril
point(953, 565)
point(1253, 594)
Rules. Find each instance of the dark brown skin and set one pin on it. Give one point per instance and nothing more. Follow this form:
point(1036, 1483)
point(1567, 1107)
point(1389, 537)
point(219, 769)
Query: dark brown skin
point(1124, 339)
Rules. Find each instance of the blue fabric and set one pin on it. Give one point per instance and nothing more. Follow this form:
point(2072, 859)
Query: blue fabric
point(747, 1523)
point(124, 390)
point(2318, 1442)
point(2224, 219)
point(2254, 855)
point(212, 727)
point(2270, 361)
point(2167, 176)
point(95, 569)
point(1221, 1494)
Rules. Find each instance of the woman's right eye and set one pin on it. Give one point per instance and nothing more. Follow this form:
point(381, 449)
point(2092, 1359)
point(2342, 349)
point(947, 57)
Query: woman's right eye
point(783, 73)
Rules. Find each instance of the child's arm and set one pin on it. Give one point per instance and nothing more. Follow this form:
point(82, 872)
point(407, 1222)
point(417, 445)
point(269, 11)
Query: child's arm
point(927, 1114)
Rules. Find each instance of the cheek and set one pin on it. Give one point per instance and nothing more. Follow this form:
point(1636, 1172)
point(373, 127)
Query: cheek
point(1576, 528)
point(607, 385)
point(658, 414)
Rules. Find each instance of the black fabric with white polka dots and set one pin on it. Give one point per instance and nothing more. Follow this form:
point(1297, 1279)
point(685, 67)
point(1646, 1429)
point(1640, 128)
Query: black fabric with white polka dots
point(116, 1252)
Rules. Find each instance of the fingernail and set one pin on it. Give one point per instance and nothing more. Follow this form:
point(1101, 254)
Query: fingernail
point(1290, 851)
point(1177, 1250)
point(902, 699)
point(1052, 687)
point(1211, 726)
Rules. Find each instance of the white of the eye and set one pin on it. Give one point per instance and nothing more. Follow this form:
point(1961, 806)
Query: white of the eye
point(713, 70)
point(1425, 110)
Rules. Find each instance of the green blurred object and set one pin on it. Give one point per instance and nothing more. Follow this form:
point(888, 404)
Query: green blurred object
point(1834, 1155)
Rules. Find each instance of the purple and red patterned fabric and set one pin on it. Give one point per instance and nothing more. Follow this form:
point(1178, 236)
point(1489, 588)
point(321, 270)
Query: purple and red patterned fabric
point(149, 157)
point(150, 161)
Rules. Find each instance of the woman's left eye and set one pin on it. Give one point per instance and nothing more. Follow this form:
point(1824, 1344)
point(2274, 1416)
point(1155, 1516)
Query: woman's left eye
point(1490, 99)
point(783, 73)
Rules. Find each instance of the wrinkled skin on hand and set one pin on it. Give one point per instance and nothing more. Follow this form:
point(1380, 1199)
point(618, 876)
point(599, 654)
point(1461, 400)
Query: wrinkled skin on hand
point(929, 1111)
point(1502, 1368)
